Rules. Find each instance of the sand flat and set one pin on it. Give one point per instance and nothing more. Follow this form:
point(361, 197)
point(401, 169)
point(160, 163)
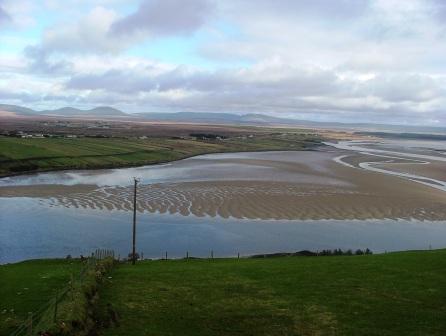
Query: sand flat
point(275, 185)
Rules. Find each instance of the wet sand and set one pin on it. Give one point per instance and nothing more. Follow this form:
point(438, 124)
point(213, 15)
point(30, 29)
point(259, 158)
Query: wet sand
point(435, 170)
point(275, 185)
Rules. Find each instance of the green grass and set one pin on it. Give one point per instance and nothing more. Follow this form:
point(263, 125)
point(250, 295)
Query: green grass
point(26, 286)
point(19, 155)
point(389, 294)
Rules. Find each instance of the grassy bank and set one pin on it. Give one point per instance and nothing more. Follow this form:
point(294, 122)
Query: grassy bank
point(26, 286)
point(389, 294)
point(19, 155)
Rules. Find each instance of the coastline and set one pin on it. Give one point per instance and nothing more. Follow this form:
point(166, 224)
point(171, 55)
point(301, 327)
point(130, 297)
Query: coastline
point(161, 162)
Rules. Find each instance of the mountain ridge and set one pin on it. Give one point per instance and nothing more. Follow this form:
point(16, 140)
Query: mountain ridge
point(253, 119)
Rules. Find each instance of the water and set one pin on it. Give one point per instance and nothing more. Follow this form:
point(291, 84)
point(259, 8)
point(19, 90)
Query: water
point(34, 225)
point(57, 232)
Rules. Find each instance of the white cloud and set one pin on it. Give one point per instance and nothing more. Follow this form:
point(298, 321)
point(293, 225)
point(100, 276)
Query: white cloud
point(88, 34)
point(361, 59)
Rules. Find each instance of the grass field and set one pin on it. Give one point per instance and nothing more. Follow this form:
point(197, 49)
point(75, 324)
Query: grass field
point(390, 294)
point(19, 155)
point(25, 286)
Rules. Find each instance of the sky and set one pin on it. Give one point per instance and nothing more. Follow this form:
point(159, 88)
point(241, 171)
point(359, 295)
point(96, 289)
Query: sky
point(325, 60)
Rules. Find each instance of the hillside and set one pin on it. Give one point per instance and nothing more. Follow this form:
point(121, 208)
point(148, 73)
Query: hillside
point(27, 286)
point(400, 293)
point(387, 294)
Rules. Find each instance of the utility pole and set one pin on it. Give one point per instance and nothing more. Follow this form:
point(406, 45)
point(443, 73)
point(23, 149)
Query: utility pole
point(134, 221)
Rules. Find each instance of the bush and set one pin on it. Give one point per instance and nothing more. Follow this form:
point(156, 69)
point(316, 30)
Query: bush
point(76, 311)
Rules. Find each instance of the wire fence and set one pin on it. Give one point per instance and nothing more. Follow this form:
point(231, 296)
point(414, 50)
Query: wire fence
point(46, 315)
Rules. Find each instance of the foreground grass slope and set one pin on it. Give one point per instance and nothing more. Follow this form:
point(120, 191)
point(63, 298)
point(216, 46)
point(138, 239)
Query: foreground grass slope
point(389, 294)
point(26, 286)
point(26, 155)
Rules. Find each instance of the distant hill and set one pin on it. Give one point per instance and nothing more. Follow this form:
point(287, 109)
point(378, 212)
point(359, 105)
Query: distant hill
point(65, 111)
point(16, 109)
point(265, 120)
point(97, 111)
point(252, 119)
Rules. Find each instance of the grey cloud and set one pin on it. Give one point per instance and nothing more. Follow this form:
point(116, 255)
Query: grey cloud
point(439, 9)
point(164, 17)
point(33, 99)
point(16, 96)
point(317, 94)
point(412, 88)
point(4, 16)
point(335, 10)
point(294, 82)
point(113, 81)
point(39, 62)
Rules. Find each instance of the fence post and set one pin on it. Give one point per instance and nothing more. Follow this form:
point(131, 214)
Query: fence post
point(238, 255)
point(187, 255)
point(30, 323)
point(55, 308)
point(212, 254)
point(166, 255)
point(72, 287)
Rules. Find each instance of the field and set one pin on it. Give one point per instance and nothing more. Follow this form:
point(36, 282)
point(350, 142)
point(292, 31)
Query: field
point(389, 294)
point(25, 286)
point(19, 155)
point(400, 293)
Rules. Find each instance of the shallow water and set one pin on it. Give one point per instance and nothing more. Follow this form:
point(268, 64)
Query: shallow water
point(60, 213)
point(56, 232)
point(210, 167)
point(406, 152)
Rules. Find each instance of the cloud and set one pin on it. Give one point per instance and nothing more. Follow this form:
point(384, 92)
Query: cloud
point(4, 16)
point(39, 61)
point(308, 10)
point(101, 30)
point(405, 88)
point(164, 17)
point(346, 59)
point(269, 87)
point(439, 10)
point(89, 34)
point(264, 77)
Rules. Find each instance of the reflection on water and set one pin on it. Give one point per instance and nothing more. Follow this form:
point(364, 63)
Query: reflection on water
point(218, 167)
point(60, 213)
point(56, 232)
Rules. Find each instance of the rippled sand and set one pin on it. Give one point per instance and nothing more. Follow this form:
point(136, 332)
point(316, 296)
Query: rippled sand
point(294, 185)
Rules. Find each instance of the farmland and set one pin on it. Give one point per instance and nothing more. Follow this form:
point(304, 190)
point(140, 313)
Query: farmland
point(388, 294)
point(21, 155)
point(399, 293)
point(28, 285)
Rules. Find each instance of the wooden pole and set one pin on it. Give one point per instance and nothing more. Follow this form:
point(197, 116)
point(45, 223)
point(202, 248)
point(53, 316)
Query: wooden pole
point(55, 308)
point(30, 323)
point(134, 222)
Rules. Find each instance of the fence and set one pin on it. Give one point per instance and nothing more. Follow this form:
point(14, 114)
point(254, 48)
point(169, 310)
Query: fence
point(46, 315)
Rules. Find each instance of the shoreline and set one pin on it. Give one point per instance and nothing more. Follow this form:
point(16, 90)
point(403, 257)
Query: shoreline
point(291, 190)
point(270, 255)
point(51, 170)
